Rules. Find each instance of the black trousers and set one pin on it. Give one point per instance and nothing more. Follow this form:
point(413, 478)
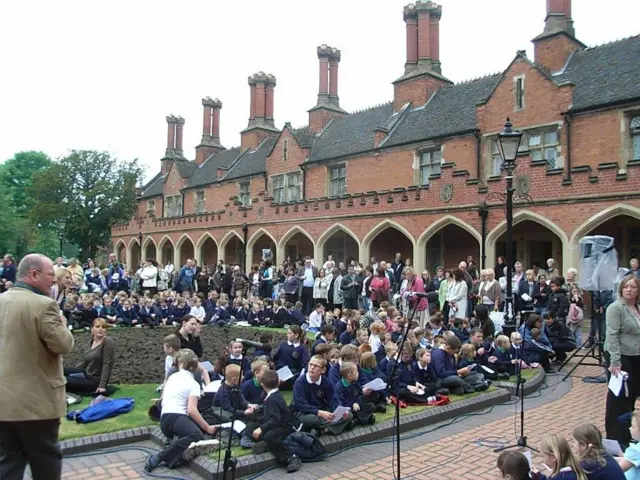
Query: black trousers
point(350, 303)
point(177, 425)
point(561, 349)
point(80, 385)
point(307, 300)
point(34, 442)
point(622, 404)
point(274, 438)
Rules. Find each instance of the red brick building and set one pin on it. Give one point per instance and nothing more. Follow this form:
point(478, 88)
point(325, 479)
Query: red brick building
point(412, 175)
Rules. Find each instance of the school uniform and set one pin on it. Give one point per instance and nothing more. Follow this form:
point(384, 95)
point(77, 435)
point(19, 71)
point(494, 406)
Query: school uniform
point(503, 363)
point(294, 356)
point(238, 360)
point(252, 391)
point(280, 318)
point(146, 316)
point(346, 338)
point(263, 352)
point(462, 334)
point(295, 317)
point(109, 311)
point(233, 402)
point(379, 398)
point(255, 318)
point(334, 372)
point(164, 313)
point(383, 366)
point(346, 394)
point(88, 316)
point(443, 365)
point(221, 317)
point(319, 341)
point(340, 327)
point(177, 313)
point(609, 471)
point(277, 423)
point(126, 317)
point(310, 397)
point(267, 315)
point(404, 377)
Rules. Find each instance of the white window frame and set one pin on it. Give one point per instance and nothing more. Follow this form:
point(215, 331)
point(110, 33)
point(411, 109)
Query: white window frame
point(544, 148)
point(173, 206)
point(519, 91)
point(151, 206)
point(429, 163)
point(244, 193)
point(495, 168)
point(337, 185)
point(289, 187)
point(634, 128)
point(199, 202)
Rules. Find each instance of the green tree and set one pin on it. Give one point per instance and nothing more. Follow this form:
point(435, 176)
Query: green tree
point(87, 192)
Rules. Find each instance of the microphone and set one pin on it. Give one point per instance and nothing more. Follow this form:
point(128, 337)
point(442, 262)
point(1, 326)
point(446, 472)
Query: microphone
point(252, 344)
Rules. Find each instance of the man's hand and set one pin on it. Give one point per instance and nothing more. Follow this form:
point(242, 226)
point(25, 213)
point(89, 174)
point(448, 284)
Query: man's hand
point(248, 411)
point(326, 416)
point(615, 370)
point(256, 433)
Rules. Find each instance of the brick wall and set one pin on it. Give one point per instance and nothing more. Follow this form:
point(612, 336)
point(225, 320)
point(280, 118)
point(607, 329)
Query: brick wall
point(553, 52)
point(416, 91)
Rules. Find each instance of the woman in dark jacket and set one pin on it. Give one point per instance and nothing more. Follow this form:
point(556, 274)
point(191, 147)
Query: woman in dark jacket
point(189, 334)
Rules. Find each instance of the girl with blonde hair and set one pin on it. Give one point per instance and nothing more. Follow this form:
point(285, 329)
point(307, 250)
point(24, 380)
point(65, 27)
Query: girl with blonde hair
point(560, 460)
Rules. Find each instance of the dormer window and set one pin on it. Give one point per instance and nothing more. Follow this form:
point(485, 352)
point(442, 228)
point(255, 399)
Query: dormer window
point(151, 206)
point(519, 92)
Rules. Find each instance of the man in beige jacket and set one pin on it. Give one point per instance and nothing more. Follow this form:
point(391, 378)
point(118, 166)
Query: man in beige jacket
point(33, 338)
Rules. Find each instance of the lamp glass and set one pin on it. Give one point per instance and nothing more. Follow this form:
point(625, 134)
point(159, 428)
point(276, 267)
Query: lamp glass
point(508, 144)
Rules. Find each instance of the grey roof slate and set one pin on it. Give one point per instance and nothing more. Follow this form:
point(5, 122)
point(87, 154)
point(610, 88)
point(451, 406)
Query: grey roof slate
point(304, 136)
point(451, 110)
point(208, 172)
point(350, 134)
point(154, 188)
point(604, 74)
point(185, 168)
point(251, 163)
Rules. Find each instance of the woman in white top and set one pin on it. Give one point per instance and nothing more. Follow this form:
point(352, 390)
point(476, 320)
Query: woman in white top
point(489, 290)
point(149, 277)
point(457, 295)
point(180, 416)
point(321, 288)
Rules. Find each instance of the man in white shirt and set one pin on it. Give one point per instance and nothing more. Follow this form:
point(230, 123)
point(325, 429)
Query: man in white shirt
point(308, 275)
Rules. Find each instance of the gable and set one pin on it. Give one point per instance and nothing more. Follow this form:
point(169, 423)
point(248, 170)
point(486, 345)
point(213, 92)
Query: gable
point(286, 154)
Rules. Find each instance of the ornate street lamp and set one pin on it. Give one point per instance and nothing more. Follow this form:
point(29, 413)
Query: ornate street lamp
point(508, 145)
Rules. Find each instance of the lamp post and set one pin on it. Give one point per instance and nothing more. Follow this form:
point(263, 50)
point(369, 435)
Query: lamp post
point(140, 241)
point(508, 144)
point(245, 231)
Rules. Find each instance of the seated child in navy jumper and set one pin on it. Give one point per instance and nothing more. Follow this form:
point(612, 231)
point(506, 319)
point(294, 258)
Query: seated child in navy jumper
point(295, 315)
point(127, 315)
point(461, 329)
point(164, 312)
point(235, 356)
point(349, 335)
point(279, 318)
point(501, 360)
point(233, 403)
point(327, 335)
point(348, 353)
point(178, 310)
point(593, 458)
point(313, 400)
point(180, 419)
point(292, 353)
point(109, 312)
point(277, 423)
point(369, 371)
point(251, 389)
point(325, 350)
point(267, 311)
point(391, 350)
point(256, 316)
point(362, 337)
point(458, 381)
point(222, 316)
point(348, 393)
point(403, 381)
point(424, 373)
point(340, 324)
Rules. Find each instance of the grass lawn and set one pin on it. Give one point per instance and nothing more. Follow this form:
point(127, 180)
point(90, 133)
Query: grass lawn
point(527, 374)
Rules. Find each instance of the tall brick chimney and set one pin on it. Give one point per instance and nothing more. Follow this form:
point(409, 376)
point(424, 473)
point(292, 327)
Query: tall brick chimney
point(328, 106)
point(179, 136)
point(422, 69)
point(210, 142)
point(261, 123)
point(554, 46)
point(170, 152)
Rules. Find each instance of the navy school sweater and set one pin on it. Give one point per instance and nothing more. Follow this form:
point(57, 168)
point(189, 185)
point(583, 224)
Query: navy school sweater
point(424, 376)
point(404, 374)
point(346, 338)
point(443, 363)
point(276, 413)
point(318, 341)
point(296, 358)
point(503, 356)
point(345, 394)
point(252, 392)
point(308, 398)
point(255, 318)
point(228, 399)
point(238, 361)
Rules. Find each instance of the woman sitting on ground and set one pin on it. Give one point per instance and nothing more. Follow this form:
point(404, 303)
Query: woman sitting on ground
point(189, 334)
point(93, 375)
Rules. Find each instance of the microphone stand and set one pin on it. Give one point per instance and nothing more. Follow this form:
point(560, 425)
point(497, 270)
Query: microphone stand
point(230, 462)
point(393, 377)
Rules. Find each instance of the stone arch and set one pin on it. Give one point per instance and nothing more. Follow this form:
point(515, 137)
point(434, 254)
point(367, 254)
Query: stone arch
point(420, 259)
point(222, 246)
point(523, 216)
point(200, 255)
point(119, 247)
point(601, 217)
point(183, 251)
point(145, 248)
point(134, 254)
point(166, 250)
point(288, 236)
point(251, 257)
point(320, 254)
point(365, 251)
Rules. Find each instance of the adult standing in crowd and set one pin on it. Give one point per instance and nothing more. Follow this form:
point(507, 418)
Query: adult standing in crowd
point(308, 274)
point(149, 277)
point(8, 275)
point(623, 347)
point(397, 266)
point(33, 338)
point(350, 289)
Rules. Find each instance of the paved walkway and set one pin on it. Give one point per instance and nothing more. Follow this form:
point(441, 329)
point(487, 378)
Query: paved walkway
point(461, 448)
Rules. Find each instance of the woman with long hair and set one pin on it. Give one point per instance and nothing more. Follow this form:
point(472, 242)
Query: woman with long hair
point(418, 306)
point(321, 288)
point(560, 459)
point(445, 283)
point(457, 295)
point(188, 333)
point(61, 285)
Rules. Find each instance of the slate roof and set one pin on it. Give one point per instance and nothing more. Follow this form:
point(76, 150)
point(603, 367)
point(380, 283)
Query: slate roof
point(154, 188)
point(251, 163)
point(185, 168)
point(208, 172)
point(304, 136)
point(604, 74)
point(350, 134)
point(451, 110)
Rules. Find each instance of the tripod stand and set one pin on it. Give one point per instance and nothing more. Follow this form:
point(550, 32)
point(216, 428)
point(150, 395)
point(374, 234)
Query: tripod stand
point(230, 462)
point(521, 442)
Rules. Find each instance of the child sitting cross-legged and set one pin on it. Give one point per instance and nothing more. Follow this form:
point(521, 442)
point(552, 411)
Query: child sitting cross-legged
point(230, 399)
point(501, 360)
point(277, 423)
point(180, 418)
point(251, 389)
point(457, 380)
point(313, 400)
point(348, 393)
point(403, 380)
point(391, 350)
point(292, 353)
point(369, 371)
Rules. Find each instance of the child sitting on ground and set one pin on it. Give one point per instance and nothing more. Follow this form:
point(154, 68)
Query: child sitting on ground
point(348, 353)
point(277, 423)
point(256, 316)
point(251, 389)
point(180, 418)
point(404, 381)
point(362, 337)
point(348, 393)
point(376, 338)
point(369, 371)
point(391, 350)
point(292, 353)
point(458, 381)
point(348, 335)
point(501, 360)
point(594, 460)
point(327, 335)
point(461, 329)
point(236, 357)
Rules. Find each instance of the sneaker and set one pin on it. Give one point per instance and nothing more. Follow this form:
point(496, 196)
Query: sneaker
point(293, 464)
point(200, 448)
point(259, 447)
point(152, 462)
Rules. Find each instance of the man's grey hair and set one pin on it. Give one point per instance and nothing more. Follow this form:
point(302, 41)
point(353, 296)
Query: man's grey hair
point(33, 261)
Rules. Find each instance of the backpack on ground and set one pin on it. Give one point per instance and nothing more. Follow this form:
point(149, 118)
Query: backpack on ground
point(101, 410)
point(305, 446)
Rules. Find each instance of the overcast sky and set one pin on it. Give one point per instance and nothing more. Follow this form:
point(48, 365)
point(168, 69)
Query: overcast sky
point(103, 75)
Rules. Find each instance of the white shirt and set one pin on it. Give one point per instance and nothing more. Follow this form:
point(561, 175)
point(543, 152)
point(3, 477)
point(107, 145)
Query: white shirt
point(374, 342)
point(168, 363)
point(311, 381)
point(198, 312)
point(270, 392)
point(315, 319)
point(308, 277)
point(149, 276)
point(179, 387)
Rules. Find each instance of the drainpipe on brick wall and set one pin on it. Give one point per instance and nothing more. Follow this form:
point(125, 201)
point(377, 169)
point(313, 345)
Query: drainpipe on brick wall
point(245, 234)
point(478, 152)
point(567, 124)
point(304, 181)
point(483, 213)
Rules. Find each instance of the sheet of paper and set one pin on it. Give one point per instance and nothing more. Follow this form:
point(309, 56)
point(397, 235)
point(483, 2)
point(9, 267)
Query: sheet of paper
point(284, 373)
point(339, 413)
point(525, 297)
point(616, 383)
point(376, 385)
point(529, 458)
point(612, 447)
point(487, 369)
point(472, 366)
point(238, 426)
point(207, 366)
point(213, 387)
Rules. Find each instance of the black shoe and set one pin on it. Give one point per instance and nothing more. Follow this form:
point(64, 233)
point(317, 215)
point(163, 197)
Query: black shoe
point(549, 370)
point(316, 432)
point(350, 426)
point(372, 420)
point(443, 391)
point(504, 376)
point(293, 464)
point(380, 408)
point(461, 391)
point(152, 462)
point(259, 447)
